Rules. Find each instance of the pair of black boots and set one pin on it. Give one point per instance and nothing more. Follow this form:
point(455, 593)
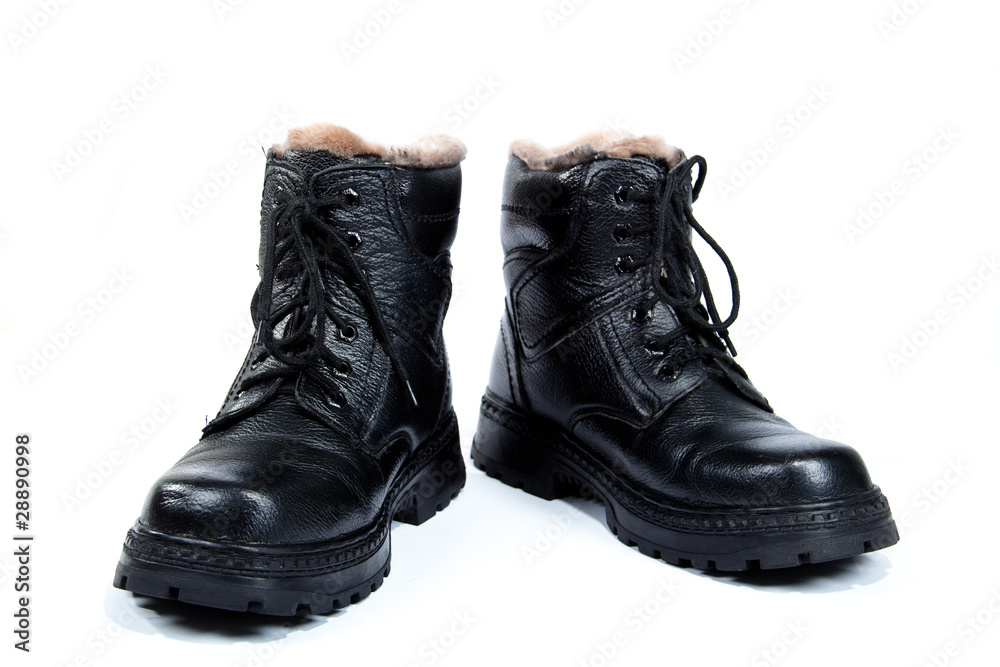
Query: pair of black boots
point(613, 377)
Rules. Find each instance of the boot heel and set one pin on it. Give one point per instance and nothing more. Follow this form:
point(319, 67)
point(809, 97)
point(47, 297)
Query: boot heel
point(434, 485)
point(503, 450)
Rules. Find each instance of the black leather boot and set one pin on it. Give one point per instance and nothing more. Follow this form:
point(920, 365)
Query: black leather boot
point(340, 419)
point(614, 374)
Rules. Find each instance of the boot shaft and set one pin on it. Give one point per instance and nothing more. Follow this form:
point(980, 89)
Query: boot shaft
point(398, 222)
point(355, 273)
point(563, 242)
point(600, 273)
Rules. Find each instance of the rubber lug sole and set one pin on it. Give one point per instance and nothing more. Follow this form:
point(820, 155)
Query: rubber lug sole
point(526, 454)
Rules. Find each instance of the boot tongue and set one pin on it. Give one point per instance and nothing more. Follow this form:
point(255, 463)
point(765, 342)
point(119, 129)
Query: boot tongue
point(288, 177)
point(657, 162)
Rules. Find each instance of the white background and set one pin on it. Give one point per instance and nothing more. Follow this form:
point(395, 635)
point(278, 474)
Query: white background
point(537, 582)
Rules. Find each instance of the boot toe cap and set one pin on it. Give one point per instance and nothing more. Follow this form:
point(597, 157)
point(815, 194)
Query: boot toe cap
point(233, 491)
point(781, 470)
point(206, 508)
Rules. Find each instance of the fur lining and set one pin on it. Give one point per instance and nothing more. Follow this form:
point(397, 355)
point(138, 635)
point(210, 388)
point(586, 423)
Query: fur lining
point(433, 152)
point(606, 142)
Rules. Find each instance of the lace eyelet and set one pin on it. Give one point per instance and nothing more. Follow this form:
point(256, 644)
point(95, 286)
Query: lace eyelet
point(351, 198)
point(622, 232)
point(281, 197)
point(625, 264)
point(344, 369)
point(353, 240)
point(640, 316)
point(349, 333)
point(670, 373)
point(338, 401)
point(621, 194)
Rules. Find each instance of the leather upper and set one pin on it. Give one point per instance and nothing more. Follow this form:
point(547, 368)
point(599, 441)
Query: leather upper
point(283, 463)
point(577, 347)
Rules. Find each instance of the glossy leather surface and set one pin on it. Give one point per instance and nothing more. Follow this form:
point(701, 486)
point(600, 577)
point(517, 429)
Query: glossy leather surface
point(281, 463)
point(572, 350)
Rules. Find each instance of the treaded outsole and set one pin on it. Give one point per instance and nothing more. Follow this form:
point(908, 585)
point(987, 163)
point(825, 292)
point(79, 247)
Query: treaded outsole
point(159, 587)
point(167, 585)
point(840, 532)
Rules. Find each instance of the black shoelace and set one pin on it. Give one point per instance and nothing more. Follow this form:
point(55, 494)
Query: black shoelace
point(303, 243)
point(679, 278)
